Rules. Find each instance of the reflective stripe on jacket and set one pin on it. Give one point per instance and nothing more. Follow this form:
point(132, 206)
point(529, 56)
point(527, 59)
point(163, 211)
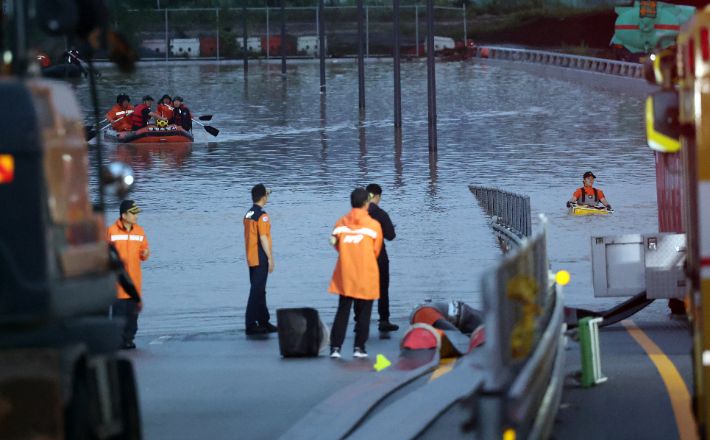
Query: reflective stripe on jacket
point(130, 245)
point(359, 240)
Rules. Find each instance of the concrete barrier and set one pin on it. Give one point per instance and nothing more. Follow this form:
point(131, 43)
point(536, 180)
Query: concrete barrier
point(310, 45)
point(189, 47)
point(253, 44)
point(157, 46)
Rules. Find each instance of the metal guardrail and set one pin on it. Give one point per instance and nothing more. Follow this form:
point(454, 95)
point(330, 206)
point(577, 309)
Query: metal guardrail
point(589, 64)
point(528, 382)
point(510, 212)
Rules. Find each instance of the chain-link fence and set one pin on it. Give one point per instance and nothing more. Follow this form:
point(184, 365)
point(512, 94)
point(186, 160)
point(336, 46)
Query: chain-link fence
point(219, 33)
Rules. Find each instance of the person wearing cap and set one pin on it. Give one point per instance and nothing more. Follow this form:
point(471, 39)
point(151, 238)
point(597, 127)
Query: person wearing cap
point(181, 114)
point(383, 262)
point(257, 238)
point(120, 116)
point(132, 246)
point(587, 195)
point(165, 107)
point(142, 114)
point(358, 239)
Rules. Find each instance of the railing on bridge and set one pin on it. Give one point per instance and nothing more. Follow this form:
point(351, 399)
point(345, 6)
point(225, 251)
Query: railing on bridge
point(510, 212)
point(599, 65)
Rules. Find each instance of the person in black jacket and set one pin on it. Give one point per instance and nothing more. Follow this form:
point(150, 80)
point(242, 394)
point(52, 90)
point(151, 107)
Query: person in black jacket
point(181, 114)
point(383, 304)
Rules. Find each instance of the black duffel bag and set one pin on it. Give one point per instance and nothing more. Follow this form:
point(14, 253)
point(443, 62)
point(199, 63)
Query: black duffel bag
point(301, 332)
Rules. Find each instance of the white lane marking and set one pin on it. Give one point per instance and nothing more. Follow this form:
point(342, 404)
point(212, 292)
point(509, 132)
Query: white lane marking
point(161, 339)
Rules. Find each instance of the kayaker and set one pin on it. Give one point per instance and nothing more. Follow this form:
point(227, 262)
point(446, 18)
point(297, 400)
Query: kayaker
point(120, 116)
point(181, 114)
point(587, 195)
point(165, 108)
point(142, 114)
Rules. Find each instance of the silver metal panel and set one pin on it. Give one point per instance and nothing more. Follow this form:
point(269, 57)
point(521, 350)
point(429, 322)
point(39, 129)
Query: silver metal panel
point(664, 259)
point(626, 265)
point(618, 265)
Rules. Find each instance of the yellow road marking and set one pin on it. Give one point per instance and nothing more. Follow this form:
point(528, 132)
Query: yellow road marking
point(445, 365)
point(678, 392)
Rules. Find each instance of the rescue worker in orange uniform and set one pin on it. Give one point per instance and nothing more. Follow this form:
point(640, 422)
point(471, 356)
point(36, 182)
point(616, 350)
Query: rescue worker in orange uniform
point(257, 239)
point(587, 195)
point(165, 107)
point(142, 114)
point(132, 246)
point(121, 115)
point(43, 60)
point(358, 239)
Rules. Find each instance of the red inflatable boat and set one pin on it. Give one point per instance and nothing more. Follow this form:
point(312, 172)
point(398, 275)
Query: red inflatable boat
point(150, 135)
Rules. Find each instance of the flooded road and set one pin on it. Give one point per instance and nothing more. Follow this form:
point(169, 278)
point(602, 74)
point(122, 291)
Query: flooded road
point(497, 128)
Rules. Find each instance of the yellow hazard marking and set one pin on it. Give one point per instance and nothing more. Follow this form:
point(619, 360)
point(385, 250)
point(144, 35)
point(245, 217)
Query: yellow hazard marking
point(7, 168)
point(509, 434)
point(382, 362)
point(562, 277)
point(445, 365)
point(678, 392)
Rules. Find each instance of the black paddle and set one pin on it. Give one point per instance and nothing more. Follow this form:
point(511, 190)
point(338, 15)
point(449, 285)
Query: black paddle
point(211, 130)
point(205, 118)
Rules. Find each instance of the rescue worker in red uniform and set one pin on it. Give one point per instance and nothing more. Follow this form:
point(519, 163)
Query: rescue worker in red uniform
point(121, 115)
point(358, 239)
point(132, 246)
point(587, 195)
point(142, 114)
point(165, 108)
point(181, 114)
point(257, 238)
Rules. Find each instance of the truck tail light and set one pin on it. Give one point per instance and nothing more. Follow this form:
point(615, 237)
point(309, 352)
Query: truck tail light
point(691, 57)
point(704, 44)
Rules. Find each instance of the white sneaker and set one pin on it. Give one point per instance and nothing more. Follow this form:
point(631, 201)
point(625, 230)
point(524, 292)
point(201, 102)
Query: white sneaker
point(359, 353)
point(335, 352)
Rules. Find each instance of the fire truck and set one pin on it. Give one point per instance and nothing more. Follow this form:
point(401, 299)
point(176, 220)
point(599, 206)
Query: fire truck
point(678, 129)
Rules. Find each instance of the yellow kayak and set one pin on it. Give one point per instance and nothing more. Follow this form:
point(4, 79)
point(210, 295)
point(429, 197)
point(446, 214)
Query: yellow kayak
point(583, 209)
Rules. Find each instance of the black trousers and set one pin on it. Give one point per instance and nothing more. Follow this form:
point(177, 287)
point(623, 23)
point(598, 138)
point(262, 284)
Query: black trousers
point(383, 304)
point(126, 309)
point(363, 310)
point(257, 312)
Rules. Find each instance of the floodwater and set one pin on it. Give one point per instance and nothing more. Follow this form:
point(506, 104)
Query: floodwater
point(497, 128)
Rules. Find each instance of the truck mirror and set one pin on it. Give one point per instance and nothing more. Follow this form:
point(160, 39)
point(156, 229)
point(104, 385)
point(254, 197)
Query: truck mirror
point(662, 126)
point(118, 179)
point(660, 68)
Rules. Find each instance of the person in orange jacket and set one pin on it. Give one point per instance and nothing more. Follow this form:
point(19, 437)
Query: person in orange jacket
point(165, 107)
point(43, 60)
point(358, 239)
point(132, 245)
point(120, 116)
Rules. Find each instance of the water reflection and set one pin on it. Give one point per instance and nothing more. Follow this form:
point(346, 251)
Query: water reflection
point(503, 129)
